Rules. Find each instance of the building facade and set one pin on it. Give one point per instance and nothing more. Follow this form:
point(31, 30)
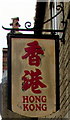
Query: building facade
point(43, 12)
point(64, 54)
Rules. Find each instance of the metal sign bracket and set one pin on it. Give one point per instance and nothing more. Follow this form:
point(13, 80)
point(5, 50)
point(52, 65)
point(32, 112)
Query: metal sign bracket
point(60, 9)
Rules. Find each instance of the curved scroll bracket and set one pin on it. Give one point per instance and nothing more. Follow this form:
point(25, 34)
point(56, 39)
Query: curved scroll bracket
point(60, 9)
point(43, 30)
point(27, 25)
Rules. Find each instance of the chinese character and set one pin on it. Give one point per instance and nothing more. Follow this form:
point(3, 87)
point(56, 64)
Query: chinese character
point(33, 80)
point(33, 52)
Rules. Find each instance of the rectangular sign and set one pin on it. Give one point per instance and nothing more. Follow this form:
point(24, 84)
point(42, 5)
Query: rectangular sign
point(33, 76)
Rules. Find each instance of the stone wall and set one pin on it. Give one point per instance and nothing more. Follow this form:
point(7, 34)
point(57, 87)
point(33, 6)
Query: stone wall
point(6, 113)
point(64, 68)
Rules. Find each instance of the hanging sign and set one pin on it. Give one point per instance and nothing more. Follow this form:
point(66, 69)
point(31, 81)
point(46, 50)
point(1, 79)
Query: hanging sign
point(33, 76)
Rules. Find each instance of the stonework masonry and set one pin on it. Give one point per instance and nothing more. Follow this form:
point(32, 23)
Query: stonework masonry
point(64, 69)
